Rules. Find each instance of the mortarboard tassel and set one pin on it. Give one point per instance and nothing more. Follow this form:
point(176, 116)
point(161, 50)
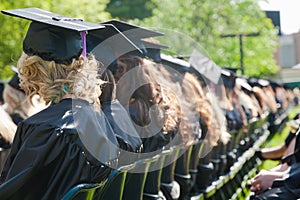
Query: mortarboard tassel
point(83, 39)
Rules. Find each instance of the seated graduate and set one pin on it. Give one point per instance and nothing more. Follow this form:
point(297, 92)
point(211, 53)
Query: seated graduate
point(119, 119)
point(67, 143)
point(281, 182)
point(7, 129)
point(153, 109)
point(17, 104)
point(16, 107)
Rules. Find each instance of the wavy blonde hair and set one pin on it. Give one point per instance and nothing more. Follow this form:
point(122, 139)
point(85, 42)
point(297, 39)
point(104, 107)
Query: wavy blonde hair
point(52, 80)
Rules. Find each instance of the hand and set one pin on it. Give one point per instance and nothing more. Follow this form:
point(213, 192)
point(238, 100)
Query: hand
point(263, 180)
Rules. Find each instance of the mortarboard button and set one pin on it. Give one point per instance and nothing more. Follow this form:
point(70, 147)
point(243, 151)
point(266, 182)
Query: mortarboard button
point(52, 36)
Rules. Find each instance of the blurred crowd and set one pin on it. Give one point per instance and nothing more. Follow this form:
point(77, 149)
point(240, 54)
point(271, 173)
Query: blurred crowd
point(149, 103)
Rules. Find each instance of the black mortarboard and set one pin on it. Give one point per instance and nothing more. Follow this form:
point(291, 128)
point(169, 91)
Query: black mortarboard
point(274, 85)
point(15, 83)
point(52, 36)
point(139, 32)
point(263, 82)
point(150, 49)
point(258, 82)
point(182, 66)
point(205, 66)
point(244, 84)
point(109, 43)
point(228, 78)
point(179, 65)
point(119, 39)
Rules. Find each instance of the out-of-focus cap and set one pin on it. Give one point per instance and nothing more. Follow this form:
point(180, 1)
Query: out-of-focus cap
point(205, 66)
point(228, 78)
point(139, 32)
point(120, 38)
point(109, 43)
point(244, 84)
point(150, 49)
point(14, 82)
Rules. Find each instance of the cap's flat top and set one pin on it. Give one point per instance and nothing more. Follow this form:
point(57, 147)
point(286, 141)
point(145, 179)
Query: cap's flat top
point(135, 31)
point(46, 17)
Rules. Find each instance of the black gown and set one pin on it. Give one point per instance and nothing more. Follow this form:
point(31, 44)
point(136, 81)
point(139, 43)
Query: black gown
point(122, 126)
point(50, 154)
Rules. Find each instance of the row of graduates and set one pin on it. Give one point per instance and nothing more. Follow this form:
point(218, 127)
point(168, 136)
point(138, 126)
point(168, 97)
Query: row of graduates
point(142, 103)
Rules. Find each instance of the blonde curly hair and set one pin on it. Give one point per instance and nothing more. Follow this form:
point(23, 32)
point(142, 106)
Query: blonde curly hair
point(52, 80)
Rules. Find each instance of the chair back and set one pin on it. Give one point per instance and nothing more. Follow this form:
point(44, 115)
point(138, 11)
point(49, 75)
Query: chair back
point(84, 191)
point(112, 188)
point(135, 182)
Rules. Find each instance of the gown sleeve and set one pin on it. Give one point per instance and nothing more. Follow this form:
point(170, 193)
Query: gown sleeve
point(26, 161)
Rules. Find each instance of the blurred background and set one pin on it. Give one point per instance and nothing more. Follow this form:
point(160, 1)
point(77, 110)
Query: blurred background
point(242, 34)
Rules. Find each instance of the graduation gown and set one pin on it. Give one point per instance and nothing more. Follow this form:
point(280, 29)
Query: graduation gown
point(122, 126)
point(53, 151)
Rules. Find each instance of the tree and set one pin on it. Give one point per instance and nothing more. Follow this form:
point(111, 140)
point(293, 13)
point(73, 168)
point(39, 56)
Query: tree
point(205, 21)
point(130, 9)
point(13, 29)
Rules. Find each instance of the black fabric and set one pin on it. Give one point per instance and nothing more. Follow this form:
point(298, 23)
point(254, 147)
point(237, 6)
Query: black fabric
point(247, 112)
point(297, 146)
point(52, 43)
point(1, 91)
point(48, 157)
point(233, 118)
point(290, 189)
point(122, 126)
point(14, 82)
point(16, 118)
point(289, 138)
point(274, 194)
point(292, 183)
point(228, 79)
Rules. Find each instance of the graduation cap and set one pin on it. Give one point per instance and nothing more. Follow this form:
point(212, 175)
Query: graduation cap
point(52, 36)
point(244, 84)
point(182, 66)
point(110, 43)
point(258, 82)
point(228, 78)
point(15, 83)
point(175, 63)
point(205, 66)
point(151, 49)
point(263, 82)
point(133, 31)
point(122, 38)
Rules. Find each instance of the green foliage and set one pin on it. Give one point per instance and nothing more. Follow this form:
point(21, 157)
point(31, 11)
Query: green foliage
point(13, 29)
point(205, 21)
point(130, 9)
